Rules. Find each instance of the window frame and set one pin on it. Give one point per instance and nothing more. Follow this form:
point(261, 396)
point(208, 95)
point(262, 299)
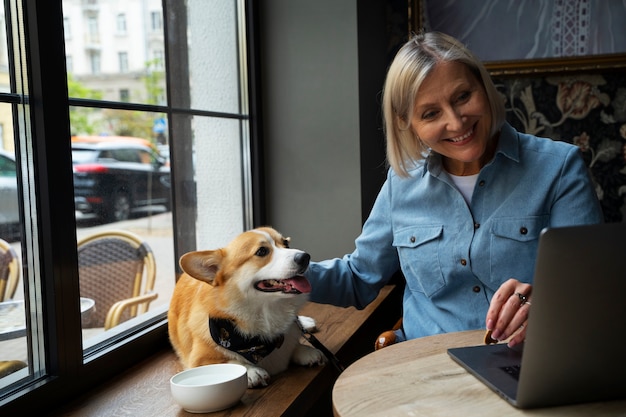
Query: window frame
point(68, 373)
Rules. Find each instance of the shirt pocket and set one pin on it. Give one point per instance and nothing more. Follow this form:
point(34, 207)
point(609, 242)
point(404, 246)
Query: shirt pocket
point(418, 251)
point(514, 247)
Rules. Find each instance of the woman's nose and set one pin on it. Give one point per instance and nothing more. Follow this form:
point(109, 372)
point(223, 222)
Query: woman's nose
point(454, 119)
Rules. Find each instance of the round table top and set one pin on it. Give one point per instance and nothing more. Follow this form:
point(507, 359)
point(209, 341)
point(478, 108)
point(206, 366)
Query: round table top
point(418, 378)
point(13, 317)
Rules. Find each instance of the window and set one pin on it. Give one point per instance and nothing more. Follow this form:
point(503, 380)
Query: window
point(67, 28)
point(122, 58)
point(94, 59)
point(121, 24)
point(92, 30)
point(156, 21)
point(150, 150)
point(159, 59)
point(124, 95)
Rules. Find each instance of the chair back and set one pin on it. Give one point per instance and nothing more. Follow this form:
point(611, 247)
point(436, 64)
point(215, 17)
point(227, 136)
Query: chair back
point(115, 266)
point(9, 271)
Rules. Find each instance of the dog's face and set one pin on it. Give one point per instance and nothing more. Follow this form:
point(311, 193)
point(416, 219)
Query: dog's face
point(256, 262)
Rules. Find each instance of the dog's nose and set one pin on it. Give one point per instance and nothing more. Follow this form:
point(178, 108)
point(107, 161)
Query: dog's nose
point(302, 259)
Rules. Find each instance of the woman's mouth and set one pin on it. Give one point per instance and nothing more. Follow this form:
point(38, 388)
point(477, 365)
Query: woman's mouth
point(463, 137)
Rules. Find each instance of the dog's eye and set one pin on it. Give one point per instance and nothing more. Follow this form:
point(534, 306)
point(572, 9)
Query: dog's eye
point(262, 251)
point(286, 243)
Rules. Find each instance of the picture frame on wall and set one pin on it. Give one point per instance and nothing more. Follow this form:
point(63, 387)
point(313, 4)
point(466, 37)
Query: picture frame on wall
point(540, 36)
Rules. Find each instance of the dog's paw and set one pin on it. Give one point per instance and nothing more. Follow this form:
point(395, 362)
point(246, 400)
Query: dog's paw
point(308, 323)
point(257, 377)
point(307, 356)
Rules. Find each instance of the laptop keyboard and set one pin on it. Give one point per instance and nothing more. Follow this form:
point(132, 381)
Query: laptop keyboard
point(512, 370)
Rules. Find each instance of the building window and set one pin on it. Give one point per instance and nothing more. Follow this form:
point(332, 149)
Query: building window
point(177, 136)
point(156, 21)
point(122, 58)
point(94, 62)
point(121, 24)
point(159, 59)
point(124, 95)
point(93, 33)
point(67, 28)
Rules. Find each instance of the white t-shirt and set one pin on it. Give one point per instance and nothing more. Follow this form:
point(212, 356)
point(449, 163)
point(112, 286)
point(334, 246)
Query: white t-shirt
point(465, 184)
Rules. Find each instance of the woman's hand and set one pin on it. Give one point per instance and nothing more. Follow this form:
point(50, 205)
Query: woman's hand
point(508, 312)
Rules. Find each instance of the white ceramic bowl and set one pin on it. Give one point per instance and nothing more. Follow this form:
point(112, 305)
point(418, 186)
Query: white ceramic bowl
point(209, 388)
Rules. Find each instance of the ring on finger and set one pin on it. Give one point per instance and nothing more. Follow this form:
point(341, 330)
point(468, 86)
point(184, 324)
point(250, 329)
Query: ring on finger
point(522, 299)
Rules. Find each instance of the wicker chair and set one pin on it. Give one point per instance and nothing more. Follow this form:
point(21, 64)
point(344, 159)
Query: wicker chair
point(116, 269)
point(387, 338)
point(9, 278)
point(9, 271)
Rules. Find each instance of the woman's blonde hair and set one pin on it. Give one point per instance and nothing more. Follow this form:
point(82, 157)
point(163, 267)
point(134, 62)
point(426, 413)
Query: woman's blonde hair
point(411, 65)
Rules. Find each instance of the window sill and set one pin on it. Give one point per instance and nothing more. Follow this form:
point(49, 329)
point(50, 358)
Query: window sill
point(349, 333)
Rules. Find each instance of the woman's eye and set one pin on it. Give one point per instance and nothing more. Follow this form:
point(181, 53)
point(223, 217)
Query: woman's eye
point(262, 251)
point(429, 115)
point(464, 96)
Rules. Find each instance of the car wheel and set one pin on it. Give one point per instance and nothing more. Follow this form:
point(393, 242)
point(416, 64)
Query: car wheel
point(119, 209)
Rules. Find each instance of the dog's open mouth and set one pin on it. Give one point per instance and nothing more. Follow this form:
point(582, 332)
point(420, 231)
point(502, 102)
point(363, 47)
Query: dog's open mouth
point(293, 285)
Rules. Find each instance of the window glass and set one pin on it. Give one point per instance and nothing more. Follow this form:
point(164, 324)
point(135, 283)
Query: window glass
point(143, 165)
point(121, 183)
point(124, 158)
point(107, 59)
point(20, 313)
point(212, 48)
point(159, 143)
point(13, 342)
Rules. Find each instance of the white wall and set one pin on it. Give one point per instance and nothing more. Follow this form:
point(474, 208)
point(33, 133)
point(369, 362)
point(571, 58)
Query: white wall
point(311, 122)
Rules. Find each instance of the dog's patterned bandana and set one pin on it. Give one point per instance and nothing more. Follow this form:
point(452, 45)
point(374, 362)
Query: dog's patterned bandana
point(224, 333)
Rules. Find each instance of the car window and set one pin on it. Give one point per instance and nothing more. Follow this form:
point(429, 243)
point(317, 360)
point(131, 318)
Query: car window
point(147, 157)
point(7, 167)
point(81, 156)
point(125, 155)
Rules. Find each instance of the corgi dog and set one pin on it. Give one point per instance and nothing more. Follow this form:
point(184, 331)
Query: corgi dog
point(240, 303)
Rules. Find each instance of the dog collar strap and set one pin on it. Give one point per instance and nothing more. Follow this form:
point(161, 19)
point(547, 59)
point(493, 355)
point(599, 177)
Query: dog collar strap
point(224, 332)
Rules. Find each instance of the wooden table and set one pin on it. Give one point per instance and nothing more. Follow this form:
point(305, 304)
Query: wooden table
point(418, 378)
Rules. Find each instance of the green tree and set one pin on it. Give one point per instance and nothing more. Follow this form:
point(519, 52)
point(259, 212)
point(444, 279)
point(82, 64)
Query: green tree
point(154, 80)
point(129, 123)
point(80, 121)
point(137, 123)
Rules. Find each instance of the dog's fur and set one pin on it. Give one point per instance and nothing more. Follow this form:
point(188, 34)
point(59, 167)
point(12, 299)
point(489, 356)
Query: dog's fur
point(255, 282)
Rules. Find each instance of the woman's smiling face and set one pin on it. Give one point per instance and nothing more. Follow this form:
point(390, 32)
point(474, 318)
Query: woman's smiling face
point(453, 118)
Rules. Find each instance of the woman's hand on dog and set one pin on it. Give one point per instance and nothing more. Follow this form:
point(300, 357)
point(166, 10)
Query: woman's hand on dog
point(508, 312)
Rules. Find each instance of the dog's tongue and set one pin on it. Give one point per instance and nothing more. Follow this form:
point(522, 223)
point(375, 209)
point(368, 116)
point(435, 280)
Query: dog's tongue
point(300, 283)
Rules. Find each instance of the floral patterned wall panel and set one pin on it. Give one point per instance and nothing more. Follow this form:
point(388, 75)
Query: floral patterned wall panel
point(588, 110)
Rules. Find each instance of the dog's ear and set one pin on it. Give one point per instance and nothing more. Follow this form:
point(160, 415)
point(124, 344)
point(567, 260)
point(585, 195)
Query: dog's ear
point(202, 265)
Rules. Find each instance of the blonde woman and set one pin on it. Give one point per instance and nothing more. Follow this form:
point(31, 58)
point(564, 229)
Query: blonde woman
point(465, 199)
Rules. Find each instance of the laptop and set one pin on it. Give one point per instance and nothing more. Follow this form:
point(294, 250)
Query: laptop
point(574, 350)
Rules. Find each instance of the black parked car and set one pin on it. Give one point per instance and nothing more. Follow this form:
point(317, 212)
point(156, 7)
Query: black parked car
point(114, 177)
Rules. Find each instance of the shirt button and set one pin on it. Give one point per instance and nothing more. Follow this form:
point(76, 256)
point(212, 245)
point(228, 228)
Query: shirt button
point(476, 289)
point(463, 262)
point(482, 183)
point(412, 239)
point(523, 230)
point(476, 225)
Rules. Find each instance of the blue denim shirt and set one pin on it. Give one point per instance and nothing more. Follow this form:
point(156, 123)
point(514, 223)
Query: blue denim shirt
point(454, 256)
